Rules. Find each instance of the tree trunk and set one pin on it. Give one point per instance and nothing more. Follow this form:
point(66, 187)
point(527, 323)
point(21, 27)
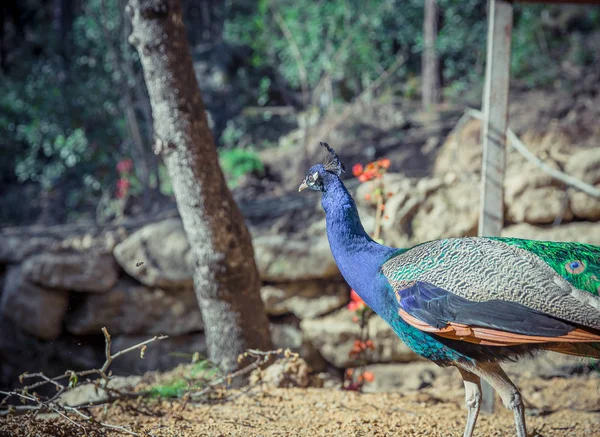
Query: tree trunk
point(430, 74)
point(225, 275)
point(63, 23)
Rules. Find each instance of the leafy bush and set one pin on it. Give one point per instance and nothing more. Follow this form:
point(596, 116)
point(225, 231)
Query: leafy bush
point(239, 162)
point(353, 41)
point(60, 113)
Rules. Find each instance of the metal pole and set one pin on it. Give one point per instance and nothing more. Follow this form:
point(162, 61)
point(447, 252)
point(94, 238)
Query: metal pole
point(495, 109)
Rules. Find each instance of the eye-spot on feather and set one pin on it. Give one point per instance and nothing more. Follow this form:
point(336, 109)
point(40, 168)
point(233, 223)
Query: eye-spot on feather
point(575, 267)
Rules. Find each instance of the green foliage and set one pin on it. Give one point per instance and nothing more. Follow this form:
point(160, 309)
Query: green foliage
point(62, 99)
point(60, 109)
point(239, 162)
point(544, 37)
point(354, 41)
point(193, 377)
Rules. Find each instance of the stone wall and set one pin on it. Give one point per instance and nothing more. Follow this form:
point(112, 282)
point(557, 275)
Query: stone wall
point(60, 286)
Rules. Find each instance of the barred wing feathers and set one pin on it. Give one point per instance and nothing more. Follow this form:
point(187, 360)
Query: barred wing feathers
point(489, 292)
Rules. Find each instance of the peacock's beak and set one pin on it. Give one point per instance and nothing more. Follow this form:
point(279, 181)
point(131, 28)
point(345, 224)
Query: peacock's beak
point(302, 186)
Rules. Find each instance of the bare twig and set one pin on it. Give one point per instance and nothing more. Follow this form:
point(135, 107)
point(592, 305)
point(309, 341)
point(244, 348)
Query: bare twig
point(36, 403)
point(556, 174)
point(261, 358)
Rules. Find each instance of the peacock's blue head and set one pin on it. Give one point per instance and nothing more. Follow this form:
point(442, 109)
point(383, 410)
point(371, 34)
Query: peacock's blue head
point(318, 175)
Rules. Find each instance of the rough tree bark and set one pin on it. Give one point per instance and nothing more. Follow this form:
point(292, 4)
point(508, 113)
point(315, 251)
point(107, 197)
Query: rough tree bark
point(430, 73)
point(225, 275)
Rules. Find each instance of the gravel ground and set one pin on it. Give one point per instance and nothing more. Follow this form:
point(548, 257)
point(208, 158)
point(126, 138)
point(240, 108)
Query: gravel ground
point(561, 407)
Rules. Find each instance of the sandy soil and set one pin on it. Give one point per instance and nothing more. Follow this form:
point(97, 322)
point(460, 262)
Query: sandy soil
point(560, 407)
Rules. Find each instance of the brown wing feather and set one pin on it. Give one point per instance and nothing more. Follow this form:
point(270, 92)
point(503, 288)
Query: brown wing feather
point(495, 337)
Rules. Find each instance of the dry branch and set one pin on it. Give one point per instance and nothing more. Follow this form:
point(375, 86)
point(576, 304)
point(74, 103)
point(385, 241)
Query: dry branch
point(260, 359)
point(36, 403)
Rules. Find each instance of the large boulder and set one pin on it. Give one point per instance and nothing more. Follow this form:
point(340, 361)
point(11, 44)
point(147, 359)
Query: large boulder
point(582, 232)
point(450, 211)
point(89, 393)
point(533, 196)
point(131, 308)
point(461, 152)
point(289, 336)
point(404, 197)
point(307, 299)
point(289, 258)
point(585, 166)
point(14, 249)
point(88, 271)
point(334, 337)
point(158, 255)
point(22, 352)
point(405, 377)
point(34, 309)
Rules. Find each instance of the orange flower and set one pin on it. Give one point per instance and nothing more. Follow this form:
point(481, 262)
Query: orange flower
point(355, 306)
point(363, 177)
point(368, 376)
point(385, 163)
point(357, 169)
point(356, 303)
point(354, 296)
point(367, 196)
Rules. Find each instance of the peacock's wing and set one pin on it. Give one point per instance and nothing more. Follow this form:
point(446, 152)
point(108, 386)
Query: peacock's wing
point(432, 309)
point(578, 263)
point(485, 290)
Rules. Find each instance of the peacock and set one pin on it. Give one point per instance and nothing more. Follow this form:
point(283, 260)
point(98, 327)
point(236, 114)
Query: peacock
point(470, 302)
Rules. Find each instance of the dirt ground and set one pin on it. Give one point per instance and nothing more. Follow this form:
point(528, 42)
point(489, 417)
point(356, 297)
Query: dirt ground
point(556, 407)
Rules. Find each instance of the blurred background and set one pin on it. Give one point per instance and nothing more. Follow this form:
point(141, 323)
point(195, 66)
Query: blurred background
point(83, 198)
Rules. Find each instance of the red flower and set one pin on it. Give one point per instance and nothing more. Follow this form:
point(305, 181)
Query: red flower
point(384, 162)
point(356, 303)
point(357, 169)
point(124, 165)
point(354, 296)
point(368, 376)
point(122, 188)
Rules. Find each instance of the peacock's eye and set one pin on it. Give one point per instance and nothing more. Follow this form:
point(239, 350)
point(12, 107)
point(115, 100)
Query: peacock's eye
point(575, 267)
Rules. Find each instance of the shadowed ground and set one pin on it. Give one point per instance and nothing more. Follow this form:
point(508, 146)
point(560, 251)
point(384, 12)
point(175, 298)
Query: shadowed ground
point(561, 407)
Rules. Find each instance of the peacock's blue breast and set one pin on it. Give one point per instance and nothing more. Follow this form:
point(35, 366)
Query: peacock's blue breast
point(422, 343)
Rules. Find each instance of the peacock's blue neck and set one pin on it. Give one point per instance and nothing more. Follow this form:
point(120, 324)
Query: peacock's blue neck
point(358, 257)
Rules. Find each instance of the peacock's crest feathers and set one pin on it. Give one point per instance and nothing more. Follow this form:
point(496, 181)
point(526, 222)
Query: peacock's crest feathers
point(577, 263)
point(332, 162)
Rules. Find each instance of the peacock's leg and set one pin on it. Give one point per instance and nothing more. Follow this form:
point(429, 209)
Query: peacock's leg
point(472, 399)
point(501, 383)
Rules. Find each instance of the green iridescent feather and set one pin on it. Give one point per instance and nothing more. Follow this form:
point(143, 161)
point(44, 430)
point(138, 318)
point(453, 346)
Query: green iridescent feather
point(560, 255)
